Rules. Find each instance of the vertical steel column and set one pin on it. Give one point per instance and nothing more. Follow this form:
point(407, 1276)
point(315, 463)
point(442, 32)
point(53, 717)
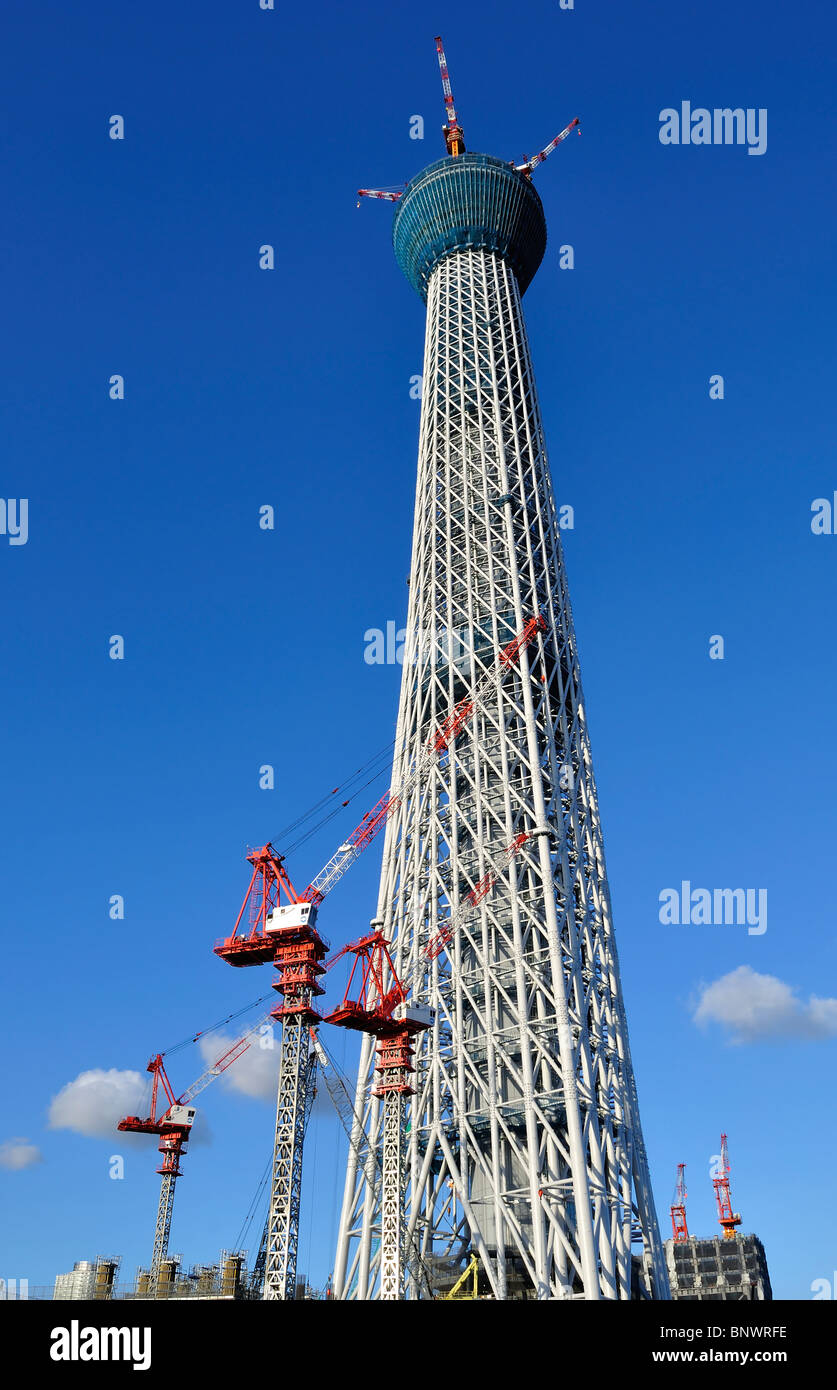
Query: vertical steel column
point(162, 1229)
point(286, 1182)
point(392, 1197)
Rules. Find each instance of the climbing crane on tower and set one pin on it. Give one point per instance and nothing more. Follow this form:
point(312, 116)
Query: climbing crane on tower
point(727, 1218)
point(285, 934)
point(381, 1009)
point(455, 138)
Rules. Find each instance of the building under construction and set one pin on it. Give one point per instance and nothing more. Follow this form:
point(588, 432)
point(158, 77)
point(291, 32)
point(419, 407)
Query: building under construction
point(228, 1279)
point(713, 1267)
point(730, 1266)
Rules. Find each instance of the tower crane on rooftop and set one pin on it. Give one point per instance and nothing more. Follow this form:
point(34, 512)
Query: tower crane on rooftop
point(455, 139)
point(727, 1218)
point(679, 1228)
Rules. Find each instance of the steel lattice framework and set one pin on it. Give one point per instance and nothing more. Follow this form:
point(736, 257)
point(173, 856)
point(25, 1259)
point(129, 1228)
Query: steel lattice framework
point(286, 1179)
point(523, 1140)
point(162, 1230)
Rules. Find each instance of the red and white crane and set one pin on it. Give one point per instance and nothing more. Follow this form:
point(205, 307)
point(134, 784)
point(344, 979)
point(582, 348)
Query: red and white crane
point(455, 138)
point(446, 933)
point(452, 130)
point(268, 918)
point(678, 1207)
point(727, 1218)
point(531, 164)
point(173, 1126)
point(286, 934)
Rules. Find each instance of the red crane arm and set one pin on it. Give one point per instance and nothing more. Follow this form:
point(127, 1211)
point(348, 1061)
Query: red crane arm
point(539, 158)
point(374, 820)
point(384, 193)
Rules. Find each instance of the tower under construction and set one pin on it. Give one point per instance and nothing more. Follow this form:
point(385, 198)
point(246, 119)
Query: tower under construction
point(514, 1135)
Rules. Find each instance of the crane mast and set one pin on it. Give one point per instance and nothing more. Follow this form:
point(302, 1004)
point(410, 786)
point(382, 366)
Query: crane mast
point(727, 1218)
point(173, 1128)
point(452, 130)
point(284, 933)
point(679, 1228)
point(455, 138)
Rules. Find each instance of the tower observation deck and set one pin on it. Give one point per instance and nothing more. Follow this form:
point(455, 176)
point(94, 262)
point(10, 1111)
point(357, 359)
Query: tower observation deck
point(522, 1144)
point(473, 202)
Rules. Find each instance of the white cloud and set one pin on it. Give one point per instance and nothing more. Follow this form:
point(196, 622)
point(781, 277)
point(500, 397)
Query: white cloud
point(97, 1100)
point(255, 1073)
point(755, 1008)
point(16, 1154)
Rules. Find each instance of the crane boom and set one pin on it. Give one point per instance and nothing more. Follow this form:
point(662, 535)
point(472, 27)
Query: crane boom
point(446, 933)
point(680, 1230)
point(727, 1218)
point(539, 158)
point(452, 130)
point(225, 1060)
point(365, 1152)
point(383, 193)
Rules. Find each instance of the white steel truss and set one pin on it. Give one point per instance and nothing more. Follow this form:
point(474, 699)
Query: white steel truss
point(523, 1141)
point(286, 1180)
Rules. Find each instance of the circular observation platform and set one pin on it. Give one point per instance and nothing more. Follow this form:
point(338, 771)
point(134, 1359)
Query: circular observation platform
point(469, 202)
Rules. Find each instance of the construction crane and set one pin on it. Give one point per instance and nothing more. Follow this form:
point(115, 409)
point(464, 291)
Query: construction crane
point(173, 1126)
point(531, 164)
point(678, 1207)
point(381, 1009)
point(470, 1273)
point(452, 130)
point(455, 138)
point(257, 1275)
point(727, 1218)
point(444, 936)
point(286, 934)
point(387, 195)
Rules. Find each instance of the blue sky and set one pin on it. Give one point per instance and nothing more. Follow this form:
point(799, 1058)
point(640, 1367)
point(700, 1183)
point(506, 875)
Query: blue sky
point(244, 647)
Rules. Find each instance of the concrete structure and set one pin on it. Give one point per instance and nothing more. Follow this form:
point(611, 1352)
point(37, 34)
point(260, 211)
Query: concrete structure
point(79, 1283)
point(93, 1279)
point(523, 1141)
point(716, 1268)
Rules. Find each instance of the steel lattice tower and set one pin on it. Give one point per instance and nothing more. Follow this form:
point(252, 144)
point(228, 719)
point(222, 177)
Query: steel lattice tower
point(523, 1139)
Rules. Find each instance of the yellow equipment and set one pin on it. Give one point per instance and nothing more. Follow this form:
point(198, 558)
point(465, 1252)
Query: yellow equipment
point(470, 1272)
